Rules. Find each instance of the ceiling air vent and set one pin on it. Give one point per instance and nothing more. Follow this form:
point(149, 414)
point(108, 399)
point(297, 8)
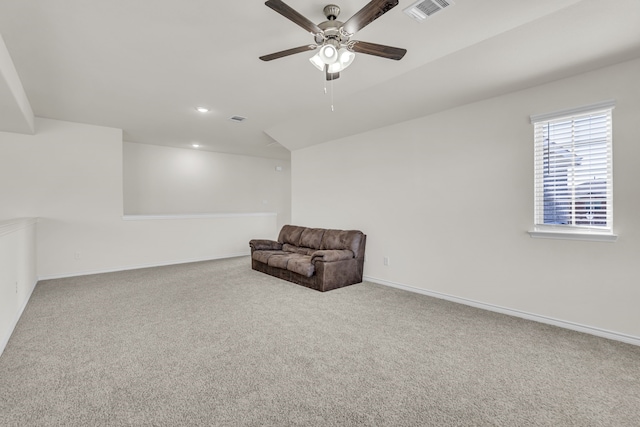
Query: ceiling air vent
point(423, 9)
point(237, 119)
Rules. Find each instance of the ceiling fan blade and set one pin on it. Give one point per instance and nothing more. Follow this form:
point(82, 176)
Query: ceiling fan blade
point(289, 13)
point(377, 49)
point(365, 16)
point(288, 52)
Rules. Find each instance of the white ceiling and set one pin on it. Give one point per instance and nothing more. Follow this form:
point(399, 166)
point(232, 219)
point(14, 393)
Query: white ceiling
point(143, 65)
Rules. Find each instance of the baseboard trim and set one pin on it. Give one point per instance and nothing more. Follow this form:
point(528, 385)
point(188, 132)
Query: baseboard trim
point(5, 340)
point(139, 266)
point(629, 339)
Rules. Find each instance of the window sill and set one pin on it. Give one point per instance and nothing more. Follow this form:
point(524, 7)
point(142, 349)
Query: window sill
point(593, 236)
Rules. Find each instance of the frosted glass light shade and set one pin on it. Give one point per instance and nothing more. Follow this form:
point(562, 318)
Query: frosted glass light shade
point(317, 62)
point(336, 67)
point(328, 54)
point(342, 59)
point(345, 57)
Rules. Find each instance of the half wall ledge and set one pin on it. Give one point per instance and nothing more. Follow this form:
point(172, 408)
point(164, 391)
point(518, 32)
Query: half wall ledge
point(196, 216)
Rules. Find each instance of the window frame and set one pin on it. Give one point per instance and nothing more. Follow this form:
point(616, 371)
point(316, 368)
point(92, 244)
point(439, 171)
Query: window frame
point(572, 231)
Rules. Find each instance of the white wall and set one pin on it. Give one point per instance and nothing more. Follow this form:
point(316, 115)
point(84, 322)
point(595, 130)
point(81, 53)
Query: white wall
point(69, 175)
point(166, 180)
point(449, 199)
point(17, 272)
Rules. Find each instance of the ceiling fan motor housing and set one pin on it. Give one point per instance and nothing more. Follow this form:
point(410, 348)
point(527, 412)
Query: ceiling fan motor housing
point(331, 29)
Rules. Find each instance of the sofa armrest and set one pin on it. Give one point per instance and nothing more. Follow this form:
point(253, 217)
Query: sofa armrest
point(330, 255)
point(265, 245)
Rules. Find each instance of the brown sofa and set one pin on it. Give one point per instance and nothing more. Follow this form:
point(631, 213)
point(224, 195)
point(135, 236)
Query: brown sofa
point(317, 258)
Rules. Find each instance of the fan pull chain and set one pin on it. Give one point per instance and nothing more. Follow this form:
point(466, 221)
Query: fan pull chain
point(331, 94)
point(325, 89)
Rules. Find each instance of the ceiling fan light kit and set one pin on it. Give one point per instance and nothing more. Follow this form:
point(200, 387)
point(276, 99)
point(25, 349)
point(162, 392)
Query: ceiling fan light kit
point(317, 62)
point(336, 50)
point(328, 54)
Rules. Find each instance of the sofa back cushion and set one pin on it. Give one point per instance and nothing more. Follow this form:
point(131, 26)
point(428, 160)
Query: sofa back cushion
point(311, 237)
point(342, 239)
point(290, 234)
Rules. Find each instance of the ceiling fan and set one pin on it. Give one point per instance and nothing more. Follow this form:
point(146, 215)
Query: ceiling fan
point(333, 38)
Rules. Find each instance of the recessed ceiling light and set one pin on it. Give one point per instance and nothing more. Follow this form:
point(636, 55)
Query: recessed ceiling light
point(195, 145)
point(202, 109)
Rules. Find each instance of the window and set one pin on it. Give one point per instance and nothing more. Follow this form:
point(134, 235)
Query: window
point(573, 170)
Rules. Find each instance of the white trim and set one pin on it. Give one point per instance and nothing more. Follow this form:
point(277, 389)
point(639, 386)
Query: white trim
point(196, 216)
point(139, 266)
point(12, 225)
point(629, 339)
point(5, 340)
point(604, 105)
point(573, 235)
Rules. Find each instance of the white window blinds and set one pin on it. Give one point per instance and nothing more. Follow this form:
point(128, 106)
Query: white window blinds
point(573, 168)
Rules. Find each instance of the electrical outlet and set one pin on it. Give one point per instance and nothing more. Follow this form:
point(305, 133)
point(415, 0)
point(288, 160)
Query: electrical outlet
point(387, 261)
point(76, 255)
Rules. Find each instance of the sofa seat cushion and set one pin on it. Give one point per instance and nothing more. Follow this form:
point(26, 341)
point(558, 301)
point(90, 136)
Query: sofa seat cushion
point(263, 256)
point(297, 249)
point(282, 259)
point(301, 265)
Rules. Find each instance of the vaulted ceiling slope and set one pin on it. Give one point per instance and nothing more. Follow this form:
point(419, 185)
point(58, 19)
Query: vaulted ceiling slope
point(143, 66)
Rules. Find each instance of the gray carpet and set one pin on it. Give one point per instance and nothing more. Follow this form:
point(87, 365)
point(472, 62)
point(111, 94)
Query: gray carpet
point(217, 344)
